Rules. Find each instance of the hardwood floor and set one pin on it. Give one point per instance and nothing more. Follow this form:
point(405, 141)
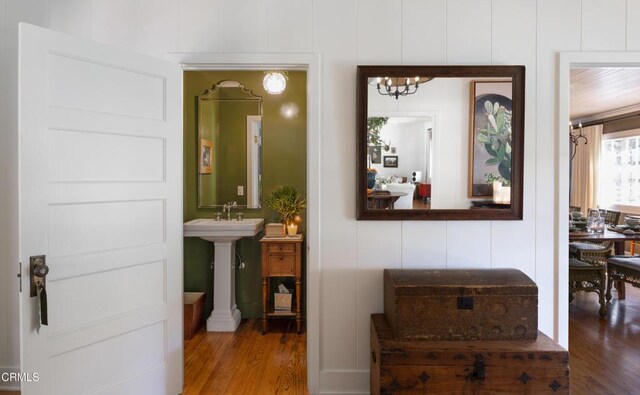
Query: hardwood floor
point(605, 353)
point(247, 362)
point(604, 356)
point(419, 204)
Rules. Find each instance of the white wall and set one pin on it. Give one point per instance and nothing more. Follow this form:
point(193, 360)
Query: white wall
point(348, 33)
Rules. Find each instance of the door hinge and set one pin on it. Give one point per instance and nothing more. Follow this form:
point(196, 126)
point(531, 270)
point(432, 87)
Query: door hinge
point(20, 275)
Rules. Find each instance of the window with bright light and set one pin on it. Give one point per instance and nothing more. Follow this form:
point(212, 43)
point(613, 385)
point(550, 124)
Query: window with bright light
point(620, 169)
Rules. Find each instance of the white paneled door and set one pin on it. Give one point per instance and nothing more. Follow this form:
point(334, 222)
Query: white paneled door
point(101, 198)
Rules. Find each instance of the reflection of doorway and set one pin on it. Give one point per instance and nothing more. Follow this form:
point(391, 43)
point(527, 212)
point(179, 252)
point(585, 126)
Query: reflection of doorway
point(406, 140)
point(254, 160)
point(407, 155)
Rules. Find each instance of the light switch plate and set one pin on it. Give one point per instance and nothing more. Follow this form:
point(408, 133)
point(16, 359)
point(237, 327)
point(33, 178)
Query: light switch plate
point(240, 190)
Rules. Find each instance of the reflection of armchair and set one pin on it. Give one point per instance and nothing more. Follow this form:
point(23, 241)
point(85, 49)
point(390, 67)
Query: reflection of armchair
point(403, 202)
point(424, 191)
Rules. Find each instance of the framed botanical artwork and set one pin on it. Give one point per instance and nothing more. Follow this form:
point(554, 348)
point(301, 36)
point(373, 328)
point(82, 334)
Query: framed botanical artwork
point(206, 156)
point(391, 161)
point(490, 139)
point(375, 154)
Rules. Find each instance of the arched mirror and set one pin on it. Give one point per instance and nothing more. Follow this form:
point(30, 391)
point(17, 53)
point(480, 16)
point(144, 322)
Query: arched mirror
point(229, 146)
point(440, 142)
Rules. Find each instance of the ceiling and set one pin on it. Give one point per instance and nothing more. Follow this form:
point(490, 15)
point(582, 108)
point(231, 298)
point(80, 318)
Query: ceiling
point(602, 90)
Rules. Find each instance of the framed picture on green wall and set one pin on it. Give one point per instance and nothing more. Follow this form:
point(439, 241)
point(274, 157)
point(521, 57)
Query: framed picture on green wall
point(206, 156)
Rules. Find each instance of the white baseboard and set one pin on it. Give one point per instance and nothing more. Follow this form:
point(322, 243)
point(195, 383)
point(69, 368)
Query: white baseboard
point(9, 385)
point(344, 382)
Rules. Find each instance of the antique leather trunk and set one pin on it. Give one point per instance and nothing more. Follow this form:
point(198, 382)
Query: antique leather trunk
point(465, 367)
point(478, 304)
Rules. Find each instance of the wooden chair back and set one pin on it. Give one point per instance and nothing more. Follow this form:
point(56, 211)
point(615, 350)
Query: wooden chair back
point(611, 217)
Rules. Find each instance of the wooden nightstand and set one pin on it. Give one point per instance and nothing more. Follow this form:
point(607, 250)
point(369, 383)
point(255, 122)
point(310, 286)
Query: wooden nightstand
point(281, 257)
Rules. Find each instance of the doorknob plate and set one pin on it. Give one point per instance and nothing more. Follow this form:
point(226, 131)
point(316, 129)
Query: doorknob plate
point(37, 266)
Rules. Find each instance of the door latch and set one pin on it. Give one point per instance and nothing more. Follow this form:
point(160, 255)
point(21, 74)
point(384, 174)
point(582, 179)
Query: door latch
point(38, 271)
point(20, 275)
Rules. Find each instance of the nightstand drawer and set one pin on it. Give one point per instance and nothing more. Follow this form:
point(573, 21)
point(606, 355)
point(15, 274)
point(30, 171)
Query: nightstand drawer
point(281, 264)
point(281, 247)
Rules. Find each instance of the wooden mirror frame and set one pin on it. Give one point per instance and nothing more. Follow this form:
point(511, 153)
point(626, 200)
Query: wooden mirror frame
point(516, 73)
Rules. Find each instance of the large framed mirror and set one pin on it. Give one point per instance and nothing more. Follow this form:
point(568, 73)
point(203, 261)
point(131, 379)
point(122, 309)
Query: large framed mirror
point(229, 146)
point(440, 142)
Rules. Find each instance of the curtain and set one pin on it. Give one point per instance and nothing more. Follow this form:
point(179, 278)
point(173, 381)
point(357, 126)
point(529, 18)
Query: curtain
point(584, 170)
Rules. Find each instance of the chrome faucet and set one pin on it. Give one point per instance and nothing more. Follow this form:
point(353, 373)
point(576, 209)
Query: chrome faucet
point(227, 209)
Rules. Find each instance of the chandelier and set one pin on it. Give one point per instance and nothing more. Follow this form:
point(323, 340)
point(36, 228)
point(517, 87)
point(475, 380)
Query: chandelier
point(575, 138)
point(398, 86)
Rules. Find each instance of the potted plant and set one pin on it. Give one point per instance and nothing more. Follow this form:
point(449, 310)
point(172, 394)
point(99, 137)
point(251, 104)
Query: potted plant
point(374, 126)
point(371, 177)
point(286, 201)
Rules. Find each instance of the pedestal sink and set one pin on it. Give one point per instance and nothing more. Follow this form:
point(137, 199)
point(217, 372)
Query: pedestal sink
point(225, 316)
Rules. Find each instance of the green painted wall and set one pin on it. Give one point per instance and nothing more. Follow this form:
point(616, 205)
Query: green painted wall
point(284, 142)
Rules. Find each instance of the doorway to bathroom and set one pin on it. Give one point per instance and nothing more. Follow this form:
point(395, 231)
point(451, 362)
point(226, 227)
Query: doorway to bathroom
point(240, 144)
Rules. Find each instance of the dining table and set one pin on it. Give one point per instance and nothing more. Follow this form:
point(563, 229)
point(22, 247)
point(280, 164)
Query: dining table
point(383, 200)
point(618, 239)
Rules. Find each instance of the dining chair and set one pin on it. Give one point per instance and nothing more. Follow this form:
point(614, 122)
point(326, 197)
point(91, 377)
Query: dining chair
point(593, 251)
point(587, 276)
point(611, 218)
point(424, 191)
point(574, 209)
point(622, 268)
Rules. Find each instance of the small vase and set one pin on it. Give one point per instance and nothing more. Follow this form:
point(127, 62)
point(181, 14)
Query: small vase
point(292, 229)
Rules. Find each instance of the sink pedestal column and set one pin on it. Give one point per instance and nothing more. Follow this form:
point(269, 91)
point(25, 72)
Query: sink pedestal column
point(225, 316)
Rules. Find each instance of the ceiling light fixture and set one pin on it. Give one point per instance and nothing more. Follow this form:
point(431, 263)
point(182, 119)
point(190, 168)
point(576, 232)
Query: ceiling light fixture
point(398, 86)
point(575, 138)
point(274, 82)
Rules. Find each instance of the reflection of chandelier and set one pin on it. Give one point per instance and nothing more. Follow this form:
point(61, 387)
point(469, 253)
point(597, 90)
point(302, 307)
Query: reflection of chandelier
point(575, 139)
point(398, 86)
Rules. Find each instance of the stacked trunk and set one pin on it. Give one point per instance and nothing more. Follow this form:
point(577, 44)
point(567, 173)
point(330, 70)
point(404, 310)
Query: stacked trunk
point(463, 331)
